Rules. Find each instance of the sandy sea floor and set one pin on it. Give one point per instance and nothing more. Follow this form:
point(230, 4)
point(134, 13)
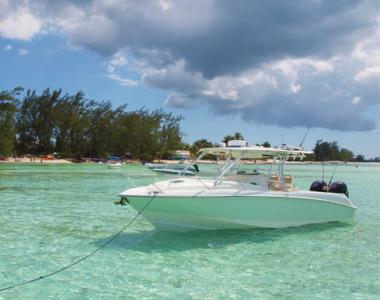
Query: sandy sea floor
point(54, 214)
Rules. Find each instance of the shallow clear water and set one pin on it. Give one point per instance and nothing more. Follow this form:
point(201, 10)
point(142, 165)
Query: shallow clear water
point(51, 215)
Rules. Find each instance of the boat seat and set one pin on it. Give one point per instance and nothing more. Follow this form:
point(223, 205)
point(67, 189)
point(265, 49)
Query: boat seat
point(289, 186)
point(288, 179)
point(275, 177)
point(275, 185)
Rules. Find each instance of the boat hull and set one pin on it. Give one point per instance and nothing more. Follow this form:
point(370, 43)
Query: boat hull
point(238, 212)
point(174, 171)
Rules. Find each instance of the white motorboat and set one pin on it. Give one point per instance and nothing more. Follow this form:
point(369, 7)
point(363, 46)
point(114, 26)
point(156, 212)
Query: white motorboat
point(114, 165)
point(243, 200)
point(114, 162)
point(177, 169)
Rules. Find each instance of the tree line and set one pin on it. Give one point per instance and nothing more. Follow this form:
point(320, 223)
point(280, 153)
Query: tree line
point(74, 126)
point(324, 151)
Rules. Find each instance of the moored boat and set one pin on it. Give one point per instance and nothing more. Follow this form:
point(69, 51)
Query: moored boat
point(114, 165)
point(114, 162)
point(177, 169)
point(243, 200)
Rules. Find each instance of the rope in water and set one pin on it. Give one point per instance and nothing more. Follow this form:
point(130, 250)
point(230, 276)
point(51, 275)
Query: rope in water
point(84, 257)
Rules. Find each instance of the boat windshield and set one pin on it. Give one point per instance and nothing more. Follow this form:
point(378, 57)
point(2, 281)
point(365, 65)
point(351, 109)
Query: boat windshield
point(241, 165)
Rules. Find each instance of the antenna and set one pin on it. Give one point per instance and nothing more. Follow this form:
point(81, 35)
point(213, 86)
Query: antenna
point(282, 140)
point(336, 166)
point(307, 131)
point(323, 170)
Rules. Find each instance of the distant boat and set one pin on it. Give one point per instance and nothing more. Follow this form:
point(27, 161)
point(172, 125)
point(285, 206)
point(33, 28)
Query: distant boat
point(114, 165)
point(174, 170)
point(178, 169)
point(114, 162)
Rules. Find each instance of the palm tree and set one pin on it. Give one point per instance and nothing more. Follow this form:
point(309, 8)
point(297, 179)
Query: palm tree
point(235, 136)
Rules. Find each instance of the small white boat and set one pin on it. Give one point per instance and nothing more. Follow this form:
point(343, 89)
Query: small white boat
point(114, 165)
point(177, 169)
point(153, 166)
point(114, 162)
point(243, 200)
point(174, 170)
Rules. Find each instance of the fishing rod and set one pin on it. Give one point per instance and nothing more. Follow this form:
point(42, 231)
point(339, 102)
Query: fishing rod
point(332, 176)
point(303, 140)
point(323, 170)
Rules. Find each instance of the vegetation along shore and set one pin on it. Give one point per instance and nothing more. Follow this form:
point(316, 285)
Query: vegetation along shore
point(70, 126)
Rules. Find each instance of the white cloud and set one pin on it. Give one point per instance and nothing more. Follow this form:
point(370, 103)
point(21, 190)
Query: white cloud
point(368, 73)
point(356, 100)
point(281, 63)
point(118, 61)
point(122, 81)
point(20, 24)
point(296, 87)
point(367, 54)
point(285, 92)
point(8, 47)
point(165, 4)
point(22, 51)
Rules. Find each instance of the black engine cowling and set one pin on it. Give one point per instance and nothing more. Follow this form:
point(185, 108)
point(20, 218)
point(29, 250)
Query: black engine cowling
point(318, 186)
point(339, 187)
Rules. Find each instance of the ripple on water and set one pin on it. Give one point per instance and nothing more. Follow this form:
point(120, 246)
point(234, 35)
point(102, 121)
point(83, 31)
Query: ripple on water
point(52, 215)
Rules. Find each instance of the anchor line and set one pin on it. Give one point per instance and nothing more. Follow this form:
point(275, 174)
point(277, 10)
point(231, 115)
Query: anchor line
point(84, 257)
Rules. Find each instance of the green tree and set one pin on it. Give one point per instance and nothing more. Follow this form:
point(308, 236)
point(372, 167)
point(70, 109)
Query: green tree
point(199, 144)
point(75, 126)
point(35, 122)
point(266, 144)
point(169, 137)
point(140, 131)
point(331, 151)
point(235, 136)
point(71, 125)
point(8, 107)
point(360, 158)
point(345, 155)
point(102, 132)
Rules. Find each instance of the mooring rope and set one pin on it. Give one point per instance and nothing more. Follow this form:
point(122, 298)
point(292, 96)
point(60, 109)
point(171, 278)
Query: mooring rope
point(84, 257)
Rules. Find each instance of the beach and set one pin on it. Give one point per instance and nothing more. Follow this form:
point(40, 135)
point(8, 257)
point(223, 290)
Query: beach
point(35, 160)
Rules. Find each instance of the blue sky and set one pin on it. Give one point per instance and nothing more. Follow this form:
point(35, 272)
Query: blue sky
point(261, 68)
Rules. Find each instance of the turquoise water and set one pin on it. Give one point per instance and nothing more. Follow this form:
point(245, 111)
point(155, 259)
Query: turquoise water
point(51, 215)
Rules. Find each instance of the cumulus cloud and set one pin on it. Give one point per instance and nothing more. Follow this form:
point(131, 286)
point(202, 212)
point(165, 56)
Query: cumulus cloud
point(18, 22)
point(22, 51)
point(117, 62)
point(289, 63)
point(287, 93)
point(356, 100)
point(367, 52)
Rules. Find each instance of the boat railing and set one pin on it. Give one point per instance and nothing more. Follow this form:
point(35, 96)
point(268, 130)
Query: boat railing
point(229, 165)
point(133, 177)
point(201, 182)
point(157, 187)
point(131, 181)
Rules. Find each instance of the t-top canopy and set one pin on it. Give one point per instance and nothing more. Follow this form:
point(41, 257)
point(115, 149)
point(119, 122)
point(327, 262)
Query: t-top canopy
point(255, 152)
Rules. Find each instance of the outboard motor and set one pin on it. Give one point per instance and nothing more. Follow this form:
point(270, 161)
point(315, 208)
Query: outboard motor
point(339, 187)
point(318, 186)
point(196, 167)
